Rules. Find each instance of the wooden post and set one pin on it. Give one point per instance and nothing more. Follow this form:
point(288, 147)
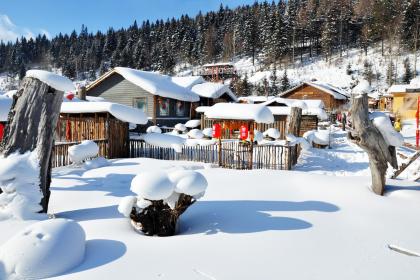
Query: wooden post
point(31, 125)
point(370, 139)
point(295, 120)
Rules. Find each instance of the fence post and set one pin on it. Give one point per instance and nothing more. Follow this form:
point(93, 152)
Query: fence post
point(220, 152)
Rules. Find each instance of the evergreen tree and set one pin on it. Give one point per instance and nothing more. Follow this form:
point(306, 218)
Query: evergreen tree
point(368, 72)
point(408, 73)
point(285, 84)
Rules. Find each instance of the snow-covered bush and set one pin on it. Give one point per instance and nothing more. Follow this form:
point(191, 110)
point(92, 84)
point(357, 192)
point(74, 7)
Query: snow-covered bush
point(83, 151)
point(19, 182)
point(195, 134)
point(43, 249)
point(153, 129)
point(180, 128)
point(272, 133)
point(164, 141)
point(193, 123)
point(161, 198)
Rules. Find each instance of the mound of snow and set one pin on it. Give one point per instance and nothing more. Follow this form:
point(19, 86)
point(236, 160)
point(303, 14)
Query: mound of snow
point(188, 182)
point(258, 136)
point(320, 137)
point(44, 249)
point(153, 129)
point(382, 122)
point(180, 127)
point(193, 123)
point(195, 134)
point(272, 132)
point(19, 182)
point(86, 149)
point(154, 185)
point(164, 141)
point(298, 140)
point(208, 132)
point(55, 81)
point(126, 205)
point(96, 163)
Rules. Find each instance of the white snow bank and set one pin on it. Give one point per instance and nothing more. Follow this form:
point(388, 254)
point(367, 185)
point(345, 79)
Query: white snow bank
point(96, 163)
point(200, 142)
point(188, 81)
point(55, 81)
point(232, 111)
point(19, 181)
point(157, 84)
point(153, 129)
point(193, 123)
point(188, 182)
point(5, 105)
point(320, 137)
point(121, 112)
point(208, 132)
point(164, 141)
point(126, 205)
point(382, 122)
point(43, 249)
point(195, 134)
point(153, 185)
point(213, 90)
point(298, 140)
point(272, 132)
point(180, 127)
point(86, 149)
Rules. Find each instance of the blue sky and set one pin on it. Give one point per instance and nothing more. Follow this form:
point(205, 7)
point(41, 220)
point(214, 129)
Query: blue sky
point(31, 17)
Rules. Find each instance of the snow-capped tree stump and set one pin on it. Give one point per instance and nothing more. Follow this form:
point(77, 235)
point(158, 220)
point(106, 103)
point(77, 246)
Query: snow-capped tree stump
point(295, 119)
point(31, 125)
point(159, 219)
point(370, 139)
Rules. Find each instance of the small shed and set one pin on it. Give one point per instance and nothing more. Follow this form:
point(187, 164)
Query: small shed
point(103, 121)
point(333, 97)
point(404, 104)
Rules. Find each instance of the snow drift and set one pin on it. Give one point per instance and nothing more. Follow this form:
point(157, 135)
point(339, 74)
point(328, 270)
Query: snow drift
point(86, 149)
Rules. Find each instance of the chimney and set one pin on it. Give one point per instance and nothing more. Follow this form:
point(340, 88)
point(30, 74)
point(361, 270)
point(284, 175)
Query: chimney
point(81, 93)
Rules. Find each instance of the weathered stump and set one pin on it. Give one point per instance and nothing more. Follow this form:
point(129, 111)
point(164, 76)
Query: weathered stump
point(370, 139)
point(31, 124)
point(159, 219)
point(295, 119)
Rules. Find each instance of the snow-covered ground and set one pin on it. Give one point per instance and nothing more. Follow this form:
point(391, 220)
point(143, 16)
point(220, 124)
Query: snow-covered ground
point(319, 221)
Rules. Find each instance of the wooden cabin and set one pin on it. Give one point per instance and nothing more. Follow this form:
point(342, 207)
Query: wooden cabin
point(105, 122)
point(164, 102)
point(217, 72)
point(333, 98)
point(404, 103)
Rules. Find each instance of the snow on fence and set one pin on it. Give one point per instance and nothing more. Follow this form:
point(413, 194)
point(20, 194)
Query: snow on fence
point(234, 154)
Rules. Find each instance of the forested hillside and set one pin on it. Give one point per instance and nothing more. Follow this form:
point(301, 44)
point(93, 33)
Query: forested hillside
point(276, 34)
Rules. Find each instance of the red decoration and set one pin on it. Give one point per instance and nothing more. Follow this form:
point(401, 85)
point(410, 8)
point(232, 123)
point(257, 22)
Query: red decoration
point(70, 96)
point(1, 131)
point(217, 130)
point(243, 132)
point(417, 123)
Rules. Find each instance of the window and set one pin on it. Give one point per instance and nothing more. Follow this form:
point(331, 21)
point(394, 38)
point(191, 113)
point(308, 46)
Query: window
point(163, 107)
point(141, 103)
point(180, 108)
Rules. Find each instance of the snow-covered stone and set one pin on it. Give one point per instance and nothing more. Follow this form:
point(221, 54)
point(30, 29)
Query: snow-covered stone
point(320, 137)
point(86, 149)
point(153, 185)
point(121, 112)
point(193, 123)
point(126, 205)
point(180, 127)
point(55, 81)
point(43, 249)
point(188, 182)
point(164, 141)
point(195, 134)
point(153, 129)
point(382, 122)
point(19, 182)
point(272, 132)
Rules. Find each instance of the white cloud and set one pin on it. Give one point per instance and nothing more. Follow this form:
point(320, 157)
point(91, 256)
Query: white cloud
point(10, 32)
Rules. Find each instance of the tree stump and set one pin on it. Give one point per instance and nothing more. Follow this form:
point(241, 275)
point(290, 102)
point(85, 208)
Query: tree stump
point(370, 139)
point(158, 218)
point(295, 120)
point(31, 124)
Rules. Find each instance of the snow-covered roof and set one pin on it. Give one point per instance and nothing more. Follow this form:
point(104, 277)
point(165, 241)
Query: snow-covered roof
point(336, 92)
point(55, 81)
point(213, 90)
point(202, 109)
point(5, 104)
point(316, 103)
point(233, 111)
point(121, 112)
point(255, 98)
point(188, 81)
point(152, 82)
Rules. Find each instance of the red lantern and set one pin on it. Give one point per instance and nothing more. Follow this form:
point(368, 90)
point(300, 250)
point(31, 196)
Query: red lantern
point(1, 131)
point(70, 96)
point(243, 132)
point(217, 131)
